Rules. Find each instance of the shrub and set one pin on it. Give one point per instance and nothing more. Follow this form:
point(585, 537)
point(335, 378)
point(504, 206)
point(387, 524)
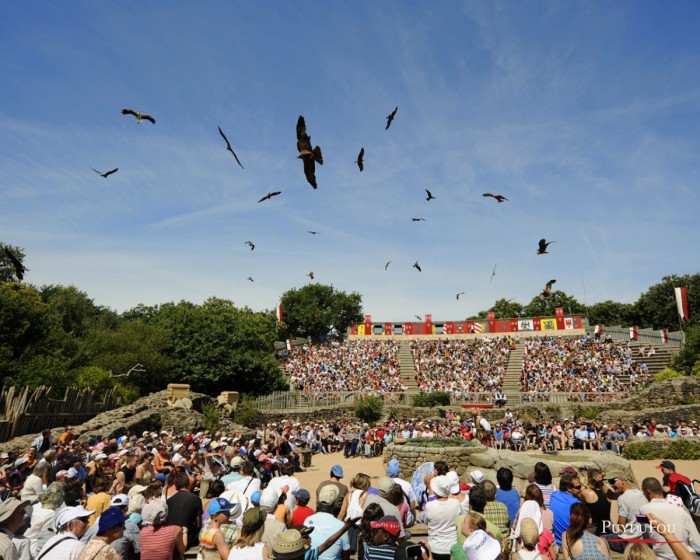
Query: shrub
point(430, 400)
point(247, 413)
point(662, 449)
point(668, 373)
point(369, 409)
point(442, 442)
point(211, 417)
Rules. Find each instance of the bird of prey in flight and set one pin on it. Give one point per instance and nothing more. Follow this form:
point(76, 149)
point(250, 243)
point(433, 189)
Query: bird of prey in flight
point(419, 317)
point(250, 279)
point(459, 294)
point(493, 273)
point(250, 244)
point(311, 275)
point(306, 153)
point(361, 160)
point(228, 146)
point(386, 266)
point(390, 118)
point(499, 197)
point(547, 290)
point(17, 264)
point(430, 195)
point(139, 116)
point(269, 195)
point(312, 232)
point(417, 219)
point(416, 265)
point(107, 173)
point(542, 248)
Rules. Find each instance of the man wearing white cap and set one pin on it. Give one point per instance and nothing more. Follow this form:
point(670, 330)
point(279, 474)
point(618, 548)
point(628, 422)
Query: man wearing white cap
point(71, 525)
point(273, 526)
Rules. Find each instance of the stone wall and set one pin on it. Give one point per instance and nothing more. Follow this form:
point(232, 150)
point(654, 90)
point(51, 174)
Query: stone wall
point(464, 460)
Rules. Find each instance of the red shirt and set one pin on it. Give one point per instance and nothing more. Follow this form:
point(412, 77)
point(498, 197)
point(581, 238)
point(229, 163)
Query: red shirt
point(300, 514)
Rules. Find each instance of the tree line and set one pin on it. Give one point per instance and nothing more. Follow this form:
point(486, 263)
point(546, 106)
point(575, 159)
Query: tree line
point(56, 335)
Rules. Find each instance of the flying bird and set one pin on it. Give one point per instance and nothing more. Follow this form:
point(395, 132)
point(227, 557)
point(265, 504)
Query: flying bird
point(499, 197)
point(417, 266)
point(361, 160)
point(106, 174)
point(307, 153)
point(459, 294)
point(269, 195)
point(250, 244)
point(430, 195)
point(17, 264)
point(417, 219)
point(311, 275)
point(386, 266)
point(390, 118)
point(547, 290)
point(542, 249)
point(250, 278)
point(228, 146)
point(312, 232)
point(493, 273)
point(419, 317)
point(139, 116)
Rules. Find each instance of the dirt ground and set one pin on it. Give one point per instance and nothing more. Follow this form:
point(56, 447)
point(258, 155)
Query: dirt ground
point(321, 467)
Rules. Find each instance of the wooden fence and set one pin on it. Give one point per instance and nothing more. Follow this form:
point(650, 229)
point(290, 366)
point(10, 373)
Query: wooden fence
point(27, 411)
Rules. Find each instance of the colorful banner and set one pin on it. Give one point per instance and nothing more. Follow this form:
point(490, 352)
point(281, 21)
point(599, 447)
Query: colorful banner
point(408, 328)
point(536, 324)
point(559, 315)
point(568, 323)
point(368, 324)
point(525, 325)
point(475, 327)
point(361, 330)
point(449, 328)
point(633, 333)
point(492, 321)
point(513, 325)
point(682, 303)
point(388, 328)
point(428, 318)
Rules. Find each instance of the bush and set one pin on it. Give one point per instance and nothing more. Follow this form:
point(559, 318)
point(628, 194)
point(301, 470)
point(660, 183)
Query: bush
point(212, 417)
point(668, 373)
point(369, 409)
point(430, 400)
point(442, 442)
point(247, 413)
point(662, 449)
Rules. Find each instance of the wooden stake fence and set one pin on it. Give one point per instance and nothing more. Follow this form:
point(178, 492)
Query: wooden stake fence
point(27, 411)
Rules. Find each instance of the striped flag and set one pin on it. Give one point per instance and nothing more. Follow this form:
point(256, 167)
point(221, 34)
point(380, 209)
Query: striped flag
point(279, 313)
point(633, 333)
point(664, 336)
point(477, 328)
point(682, 303)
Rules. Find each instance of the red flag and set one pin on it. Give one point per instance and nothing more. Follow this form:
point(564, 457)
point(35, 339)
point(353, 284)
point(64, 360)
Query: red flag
point(633, 333)
point(664, 336)
point(279, 313)
point(682, 303)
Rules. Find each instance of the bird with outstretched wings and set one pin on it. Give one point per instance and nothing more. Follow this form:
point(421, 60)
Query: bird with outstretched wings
point(419, 317)
point(20, 269)
point(250, 279)
point(386, 266)
point(493, 273)
point(416, 265)
point(269, 195)
point(390, 118)
point(542, 247)
point(139, 116)
point(250, 244)
point(499, 197)
point(309, 155)
point(106, 173)
point(459, 294)
point(547, 290)
point(429, 196)
point(311, 275)
point(361, 160)
point(312, 232)
point(228, 146)
point(417, 219)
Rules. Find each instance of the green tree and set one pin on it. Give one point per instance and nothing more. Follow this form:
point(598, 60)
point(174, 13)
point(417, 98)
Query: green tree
point(546, 307)
point(504, 309)
point(319, 311)
point(76, 313)
point(612, 313)
point(656, 308)
point(369, 409)
point(216, 346)
point(7, 269)
point(687, 359)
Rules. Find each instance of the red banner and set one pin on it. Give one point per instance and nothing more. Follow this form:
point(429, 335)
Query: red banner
point(536, 324)
point(492, 321)
point(449, 327)
point(502, 326)
point(578, 323)
point(633, 333)
point(513, 325)
point(368, 324)
point(408, 328)
point(559, 314)
point(388, 328)
point(353, 329)
point(428, 323)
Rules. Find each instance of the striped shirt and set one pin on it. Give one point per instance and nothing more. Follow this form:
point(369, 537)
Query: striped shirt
point(158, 542)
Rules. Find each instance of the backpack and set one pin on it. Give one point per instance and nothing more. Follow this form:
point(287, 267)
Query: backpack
point(691, 499)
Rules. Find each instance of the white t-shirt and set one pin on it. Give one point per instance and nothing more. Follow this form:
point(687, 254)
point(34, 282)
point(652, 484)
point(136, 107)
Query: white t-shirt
point(246, 486)
point(68, 549)
point(441, 518)
point(291, 482)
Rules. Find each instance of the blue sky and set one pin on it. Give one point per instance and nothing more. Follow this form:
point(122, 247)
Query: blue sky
point(586, 115)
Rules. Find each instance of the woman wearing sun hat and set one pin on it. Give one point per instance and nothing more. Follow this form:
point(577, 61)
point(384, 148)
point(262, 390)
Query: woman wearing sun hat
point(249, 545)
point(110, 528)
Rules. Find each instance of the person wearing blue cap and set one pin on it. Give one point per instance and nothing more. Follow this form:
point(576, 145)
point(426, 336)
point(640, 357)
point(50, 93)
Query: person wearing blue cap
point(302, 509)
point(110, 528)
point(392, 470)
point(335, 476)
point(211, 540)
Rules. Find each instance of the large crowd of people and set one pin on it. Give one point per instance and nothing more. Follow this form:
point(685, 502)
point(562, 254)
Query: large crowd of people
point(579, 366)
point(155, 495)
point(461, 367)
point(370, 366)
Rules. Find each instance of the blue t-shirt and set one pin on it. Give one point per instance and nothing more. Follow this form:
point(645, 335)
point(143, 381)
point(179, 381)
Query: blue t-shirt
point(511, 499)
point(560, 504)
point(325, 526)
